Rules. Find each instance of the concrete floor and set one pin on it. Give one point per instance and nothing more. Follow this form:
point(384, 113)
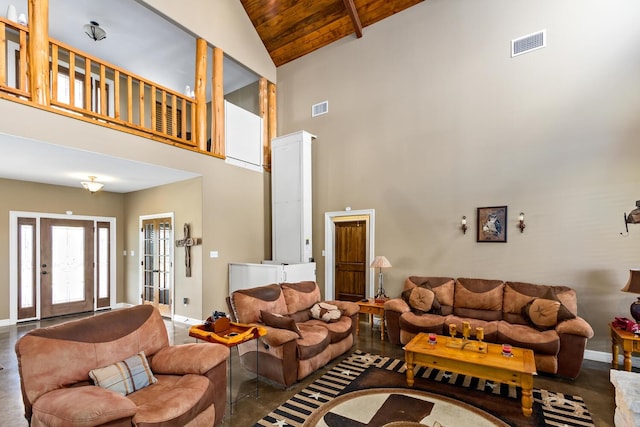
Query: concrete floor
point(593, 383)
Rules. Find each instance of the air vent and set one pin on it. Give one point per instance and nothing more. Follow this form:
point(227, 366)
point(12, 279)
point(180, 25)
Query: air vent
point(529, 43)
point(320, 108)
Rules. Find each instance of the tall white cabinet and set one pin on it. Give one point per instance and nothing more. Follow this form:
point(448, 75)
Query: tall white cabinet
point(291, 198)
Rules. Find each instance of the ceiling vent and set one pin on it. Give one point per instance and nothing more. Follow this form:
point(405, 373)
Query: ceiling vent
point(320, 108)
point(529, 43)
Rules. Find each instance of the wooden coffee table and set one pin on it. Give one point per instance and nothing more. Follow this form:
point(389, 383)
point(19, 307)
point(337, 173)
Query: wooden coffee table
point(517, 370)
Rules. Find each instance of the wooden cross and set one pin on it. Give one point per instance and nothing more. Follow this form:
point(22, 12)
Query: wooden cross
point(187, 242)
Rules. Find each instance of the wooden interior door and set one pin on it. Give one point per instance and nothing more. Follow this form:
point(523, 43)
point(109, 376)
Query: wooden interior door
point(350, 260)
point(66, 266)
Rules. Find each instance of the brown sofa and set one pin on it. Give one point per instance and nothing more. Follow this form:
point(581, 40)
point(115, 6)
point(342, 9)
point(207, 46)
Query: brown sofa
point(505, 310)
point(54, 365)
point(296, 343)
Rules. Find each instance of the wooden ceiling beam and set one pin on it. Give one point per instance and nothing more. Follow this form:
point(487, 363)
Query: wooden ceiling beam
point(355, 18)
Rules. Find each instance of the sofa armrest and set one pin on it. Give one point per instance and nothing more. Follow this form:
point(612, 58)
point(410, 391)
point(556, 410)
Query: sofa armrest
point(276, 337)
point(193, 358)
point(577, 326)
point(396, 304)
point(347, 308)
point(82, 406)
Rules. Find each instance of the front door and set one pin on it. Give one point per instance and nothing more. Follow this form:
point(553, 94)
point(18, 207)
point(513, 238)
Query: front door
point(156, 263)
point(66, 266)
point(350, 260)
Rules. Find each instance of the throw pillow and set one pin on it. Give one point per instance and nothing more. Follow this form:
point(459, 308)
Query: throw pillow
point(279, 321)
point(125, 377)
point(546, 312)
point(326, 312)
point(422, 299)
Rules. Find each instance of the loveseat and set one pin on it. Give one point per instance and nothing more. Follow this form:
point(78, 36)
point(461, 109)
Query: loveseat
point(124, 351)
point(542, 318)
point(303, 332)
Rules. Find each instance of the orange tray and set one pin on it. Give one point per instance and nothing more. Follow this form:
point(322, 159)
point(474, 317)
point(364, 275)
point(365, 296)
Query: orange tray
point(236, 333)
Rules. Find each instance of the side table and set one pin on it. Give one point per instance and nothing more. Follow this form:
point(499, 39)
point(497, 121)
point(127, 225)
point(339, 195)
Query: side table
point(628, 341)
point(372, 308)
point(231, 336)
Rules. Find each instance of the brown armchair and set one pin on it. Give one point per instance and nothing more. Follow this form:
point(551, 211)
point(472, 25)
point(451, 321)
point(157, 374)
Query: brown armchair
point(189, 380)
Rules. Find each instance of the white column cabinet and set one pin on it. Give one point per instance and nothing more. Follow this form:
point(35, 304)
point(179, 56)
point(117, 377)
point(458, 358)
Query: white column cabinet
point(291, 198)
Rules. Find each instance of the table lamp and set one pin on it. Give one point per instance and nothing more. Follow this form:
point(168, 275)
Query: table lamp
point(633, 286)
point(381, 262)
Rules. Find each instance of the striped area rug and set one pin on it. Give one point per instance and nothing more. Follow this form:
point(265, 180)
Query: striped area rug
point(552, 409)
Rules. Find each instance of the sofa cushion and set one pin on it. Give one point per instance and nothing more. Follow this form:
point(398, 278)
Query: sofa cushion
point(422, 299)
point(81, 406)
point(315, 339)
point(132, 374)
point(545, 313)
point(173, 400)
point(300, 295)
point(338, 330)
point(280, 321)
point(325, 312)
point(442, 286)
point(543, 342)
point(247, 303)
point(518, 294)
point(478, 298)
point(415, 323)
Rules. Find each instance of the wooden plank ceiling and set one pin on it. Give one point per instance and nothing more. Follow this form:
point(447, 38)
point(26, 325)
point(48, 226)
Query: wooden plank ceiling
point(290, 29)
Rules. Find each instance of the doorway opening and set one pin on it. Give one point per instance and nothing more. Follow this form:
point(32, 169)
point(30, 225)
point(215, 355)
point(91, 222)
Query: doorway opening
point(349, 249)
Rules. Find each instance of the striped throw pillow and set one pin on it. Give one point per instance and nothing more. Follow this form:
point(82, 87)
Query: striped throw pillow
point(125, 377)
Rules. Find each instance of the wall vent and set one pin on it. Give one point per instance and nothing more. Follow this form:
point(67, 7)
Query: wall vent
point(320, 108)
point(529, 43)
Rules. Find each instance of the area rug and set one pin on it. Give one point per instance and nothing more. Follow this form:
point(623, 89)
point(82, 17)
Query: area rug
point(331, 399)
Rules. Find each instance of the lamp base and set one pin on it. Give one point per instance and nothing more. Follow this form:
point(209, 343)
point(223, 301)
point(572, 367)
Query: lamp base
point(635, 310)
point(381, 297)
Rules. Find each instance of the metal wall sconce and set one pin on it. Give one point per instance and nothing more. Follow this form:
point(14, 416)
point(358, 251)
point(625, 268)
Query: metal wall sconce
point(463, 224)
point(521, 220)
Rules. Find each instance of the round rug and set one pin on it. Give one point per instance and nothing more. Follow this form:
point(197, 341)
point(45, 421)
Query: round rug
point(394, 407)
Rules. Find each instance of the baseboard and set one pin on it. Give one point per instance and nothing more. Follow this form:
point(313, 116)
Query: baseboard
point(187, 320)
point(606, 357)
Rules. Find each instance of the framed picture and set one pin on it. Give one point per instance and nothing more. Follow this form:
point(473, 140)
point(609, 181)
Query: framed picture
point(492, 224)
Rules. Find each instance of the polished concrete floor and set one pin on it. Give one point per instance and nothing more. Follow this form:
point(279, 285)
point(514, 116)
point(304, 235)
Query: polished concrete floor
point(592, 384)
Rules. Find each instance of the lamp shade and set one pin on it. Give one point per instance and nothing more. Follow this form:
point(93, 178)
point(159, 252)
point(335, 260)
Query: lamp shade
point(633, 285)
point(380, 262)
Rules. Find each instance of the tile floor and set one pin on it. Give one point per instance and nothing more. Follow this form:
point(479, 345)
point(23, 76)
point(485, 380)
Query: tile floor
point(592, 384)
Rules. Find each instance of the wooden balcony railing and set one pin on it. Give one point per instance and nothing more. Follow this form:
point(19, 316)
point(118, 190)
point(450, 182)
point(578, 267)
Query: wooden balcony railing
point(70, 82)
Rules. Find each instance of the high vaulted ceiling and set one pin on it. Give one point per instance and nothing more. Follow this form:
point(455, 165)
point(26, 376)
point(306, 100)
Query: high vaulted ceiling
point(290, 29)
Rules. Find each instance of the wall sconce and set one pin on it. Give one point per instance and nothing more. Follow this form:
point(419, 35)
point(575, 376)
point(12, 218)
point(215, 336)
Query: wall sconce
point(521, 219)
point(463, 224)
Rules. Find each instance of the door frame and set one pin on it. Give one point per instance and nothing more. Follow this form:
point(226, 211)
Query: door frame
point(13, 258)
point(330, 218)
point(172, 276)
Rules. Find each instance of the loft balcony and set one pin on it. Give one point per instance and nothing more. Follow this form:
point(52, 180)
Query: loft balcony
point(49, 74)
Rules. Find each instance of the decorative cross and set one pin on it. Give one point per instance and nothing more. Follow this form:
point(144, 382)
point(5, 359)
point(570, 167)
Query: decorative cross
point(187, 242)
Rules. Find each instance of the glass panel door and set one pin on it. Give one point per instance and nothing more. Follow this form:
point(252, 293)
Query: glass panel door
point(156, 263)
point(66, 266)
point(26, 268)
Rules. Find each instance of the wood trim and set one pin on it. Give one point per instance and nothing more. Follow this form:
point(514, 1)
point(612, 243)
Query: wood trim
point(201, 94)
point(263, 106)
point(217, 102)
point(39, 51)
point(355, 18)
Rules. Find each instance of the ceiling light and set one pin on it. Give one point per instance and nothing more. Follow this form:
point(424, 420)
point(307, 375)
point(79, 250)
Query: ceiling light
point(92, 185)
point(94, 31)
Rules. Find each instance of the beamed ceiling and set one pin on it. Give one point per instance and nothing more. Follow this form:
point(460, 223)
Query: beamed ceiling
point(290, 29)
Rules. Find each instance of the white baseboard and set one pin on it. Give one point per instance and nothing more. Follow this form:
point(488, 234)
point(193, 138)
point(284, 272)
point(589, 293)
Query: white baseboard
point(187, 320)
point(606, 357)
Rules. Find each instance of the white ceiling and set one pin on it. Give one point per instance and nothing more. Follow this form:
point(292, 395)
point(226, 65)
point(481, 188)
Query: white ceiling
point(137, 40)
